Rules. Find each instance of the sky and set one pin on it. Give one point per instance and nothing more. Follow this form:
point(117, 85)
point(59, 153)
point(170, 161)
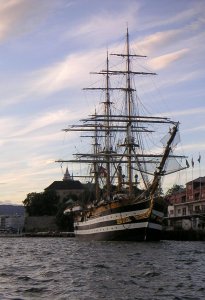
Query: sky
point(48, 48)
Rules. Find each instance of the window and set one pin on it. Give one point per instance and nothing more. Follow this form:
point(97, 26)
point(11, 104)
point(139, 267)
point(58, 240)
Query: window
point(183, 199)
point(171, 212)
point(191, 209)
point(184, 211)
point(179, 211)
point(197, 208)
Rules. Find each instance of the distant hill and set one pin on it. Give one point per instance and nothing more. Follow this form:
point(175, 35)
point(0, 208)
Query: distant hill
point(8, 209)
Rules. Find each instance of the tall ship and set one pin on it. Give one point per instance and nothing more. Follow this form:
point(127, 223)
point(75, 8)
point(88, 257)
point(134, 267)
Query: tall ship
point(125, 165)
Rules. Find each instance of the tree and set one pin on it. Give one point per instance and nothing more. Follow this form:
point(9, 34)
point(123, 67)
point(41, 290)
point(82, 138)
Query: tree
point(71, 196)
point(64, 222)
point(174, 189)
point(40, 204)
point(32, 203)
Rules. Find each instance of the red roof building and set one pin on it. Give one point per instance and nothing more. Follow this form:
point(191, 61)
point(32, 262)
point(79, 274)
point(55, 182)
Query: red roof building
point(187, 206)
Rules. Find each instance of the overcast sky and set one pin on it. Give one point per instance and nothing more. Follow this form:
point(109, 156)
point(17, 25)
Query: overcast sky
point(48, 48)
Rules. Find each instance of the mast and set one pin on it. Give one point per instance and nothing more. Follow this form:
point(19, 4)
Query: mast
point(95, 164)
point(107, 133)
point(129, 118)
point(157, 175)
point(129, 108)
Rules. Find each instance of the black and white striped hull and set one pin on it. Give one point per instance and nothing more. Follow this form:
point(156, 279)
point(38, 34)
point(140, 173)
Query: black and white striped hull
point(129, 223)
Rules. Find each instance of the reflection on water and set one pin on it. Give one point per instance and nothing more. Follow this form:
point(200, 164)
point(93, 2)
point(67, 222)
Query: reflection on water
point(63, 268)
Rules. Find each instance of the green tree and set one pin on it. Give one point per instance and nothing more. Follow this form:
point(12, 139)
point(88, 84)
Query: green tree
point(174, 189)
point(40, 204)
point(64, 222)
point(70, 196)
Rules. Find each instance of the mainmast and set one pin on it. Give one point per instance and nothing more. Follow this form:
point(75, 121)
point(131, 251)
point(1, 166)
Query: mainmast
point(129, 108)
point(108, 148)
point(131, 122)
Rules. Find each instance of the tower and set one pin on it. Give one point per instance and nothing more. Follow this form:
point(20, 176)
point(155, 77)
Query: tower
point(67, 176)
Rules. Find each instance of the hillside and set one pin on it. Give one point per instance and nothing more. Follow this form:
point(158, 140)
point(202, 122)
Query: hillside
point(8, 209)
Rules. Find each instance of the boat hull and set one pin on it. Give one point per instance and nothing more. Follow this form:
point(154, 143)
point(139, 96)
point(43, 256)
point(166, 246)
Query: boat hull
point(127, 223)
point(138, 234)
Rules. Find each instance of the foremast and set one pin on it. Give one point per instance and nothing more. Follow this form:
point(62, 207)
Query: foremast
point(151, 192)
point(95, 164)
point(158, 174)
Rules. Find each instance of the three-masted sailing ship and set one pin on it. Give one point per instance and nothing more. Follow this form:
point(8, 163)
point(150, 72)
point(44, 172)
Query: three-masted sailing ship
point(126, 176)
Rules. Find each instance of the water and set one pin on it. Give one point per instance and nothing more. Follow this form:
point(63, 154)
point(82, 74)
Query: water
point(65, 268)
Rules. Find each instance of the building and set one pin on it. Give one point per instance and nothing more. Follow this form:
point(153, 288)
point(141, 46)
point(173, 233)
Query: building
point(187, 206)
point(11, 223)
point(66, 187)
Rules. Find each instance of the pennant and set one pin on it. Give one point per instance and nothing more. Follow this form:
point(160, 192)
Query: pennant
point(199, 159)
point(187, 163)
point(192, 162)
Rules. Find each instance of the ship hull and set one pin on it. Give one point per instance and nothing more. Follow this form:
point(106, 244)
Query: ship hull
point(127, 223)
point(137, 234)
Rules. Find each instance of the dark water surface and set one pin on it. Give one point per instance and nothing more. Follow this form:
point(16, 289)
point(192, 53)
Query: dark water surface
point(65, 268)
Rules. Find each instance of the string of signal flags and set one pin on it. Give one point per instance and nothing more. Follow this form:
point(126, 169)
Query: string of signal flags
point(192, 161)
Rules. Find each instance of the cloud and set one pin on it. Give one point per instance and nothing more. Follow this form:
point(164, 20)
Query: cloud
point(163, 61)
point(42, 121)
point(102, 32)
point(196, 13)
point(181, 36)
point(158, 40)
point(194, 146)
point(195, 129)
point(33, 178)
point(7, 124)
point(36, 137)
point(36, 130)
point(72, 72)
point(22, 16)
point(186, 112)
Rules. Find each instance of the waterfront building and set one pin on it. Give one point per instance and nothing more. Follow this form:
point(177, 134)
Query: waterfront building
point(11, 223)
point(187, 206)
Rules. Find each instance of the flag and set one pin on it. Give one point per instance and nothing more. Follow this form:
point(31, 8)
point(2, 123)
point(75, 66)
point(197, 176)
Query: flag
point(192, 162)
point(187, 163)
point(199, 159)
point(102, 171)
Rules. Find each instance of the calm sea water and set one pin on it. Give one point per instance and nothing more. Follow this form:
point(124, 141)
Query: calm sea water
point(65, 268)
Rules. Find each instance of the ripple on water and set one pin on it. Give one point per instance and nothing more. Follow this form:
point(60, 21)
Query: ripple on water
point(69, 269)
